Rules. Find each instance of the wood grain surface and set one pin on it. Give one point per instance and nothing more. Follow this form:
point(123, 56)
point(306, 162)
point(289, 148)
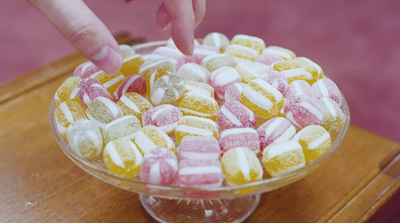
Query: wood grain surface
point(40, 184)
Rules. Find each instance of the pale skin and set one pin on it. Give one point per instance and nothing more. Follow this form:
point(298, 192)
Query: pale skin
point(84, 30)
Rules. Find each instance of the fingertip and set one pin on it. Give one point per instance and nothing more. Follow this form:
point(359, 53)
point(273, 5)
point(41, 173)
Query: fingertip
point(108, 59)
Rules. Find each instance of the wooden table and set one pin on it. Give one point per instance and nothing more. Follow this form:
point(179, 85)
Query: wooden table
point(38, 183)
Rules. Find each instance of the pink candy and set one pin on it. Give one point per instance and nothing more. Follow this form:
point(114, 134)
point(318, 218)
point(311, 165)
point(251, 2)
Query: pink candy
point(85, 69)
point(276, 79)
point(164, 116)
point(159, 166)
point(233, 91)
point(233, 114)
point(239, 137)
point(327, 88)
point(268, 59)
point(199, 147)
point(200, 173)
point(221, 78)
point(132, 83)
point(302, 111)
point(299, 87)
point(89, 89)
point(275, 130)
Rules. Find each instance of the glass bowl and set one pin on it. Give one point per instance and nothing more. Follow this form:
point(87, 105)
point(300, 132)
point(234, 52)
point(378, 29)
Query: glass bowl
point(173, 203)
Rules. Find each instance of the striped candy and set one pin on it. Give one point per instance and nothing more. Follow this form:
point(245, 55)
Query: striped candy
point(151, 137)
point(195, 126)
point(85, 138)
point(200, 173)
point(303, 111)
point(275, 130)
point(132, 83)
point(67, 113)
point(198, 104)
point(103, 110)
point(134, 104)
point(326, 88)
point(233, 114)
point(89, 89)
point(221, 78)
point(239, 137)
point(165, 117)
point(199, 147)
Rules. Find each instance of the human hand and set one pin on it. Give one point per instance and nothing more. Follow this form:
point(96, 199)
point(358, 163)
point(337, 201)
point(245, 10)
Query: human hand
point(84, 30)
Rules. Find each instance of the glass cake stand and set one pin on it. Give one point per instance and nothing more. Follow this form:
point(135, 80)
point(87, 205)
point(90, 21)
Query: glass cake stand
point(178, 204)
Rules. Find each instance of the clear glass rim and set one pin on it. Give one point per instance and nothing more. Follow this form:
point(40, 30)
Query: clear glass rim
point(232, 190)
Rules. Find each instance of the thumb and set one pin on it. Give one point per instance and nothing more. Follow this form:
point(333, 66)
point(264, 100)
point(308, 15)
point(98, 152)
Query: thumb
point(81, 27)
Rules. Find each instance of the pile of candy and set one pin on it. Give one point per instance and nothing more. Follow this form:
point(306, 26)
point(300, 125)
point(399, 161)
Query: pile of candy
point(226, 114)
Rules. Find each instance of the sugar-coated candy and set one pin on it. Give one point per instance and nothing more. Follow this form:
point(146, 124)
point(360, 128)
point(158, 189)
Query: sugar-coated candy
point(110, 82)
point(103, 110)
point(159, 166)
point(241, 166)
point(150, 137)
point(198, 104)
point(214, 62)
point(122, 158)
point(132, 83)
point(166, 89)
point(262, 98)
point(200, 173)
point(193, 71)
point(284, 157)
point(242, 52)
point(124, 127)
point(328, 89)
point(200, 52)
point(247, 72)
point(195, 126)
point(268, 59)
point(67, 91)
point(314, 140)
point(293, 70)
point(199, 147)
point(67, 113)
point(169, 52)
point(250, 41)
point(281, 52)
point(333, 117)
point(302, 111)
point(275, 130)
point(218, 40)
point(239, 137)
point(131, 65)
point(299, 87)
point(234, 114)
point(221, 78)
point(85, 138)
point(276, 79)
point(153, 77)
point(153, 65)
point(126, 50)
point(233, 92)
point(89, 89)
point(134, 104)
point(166, 117)
point(85, 70)
point(198, 87)
point(314, 69)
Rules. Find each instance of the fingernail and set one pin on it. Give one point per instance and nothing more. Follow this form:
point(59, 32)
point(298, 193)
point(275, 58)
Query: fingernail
point(108, 59)
point(167, 26)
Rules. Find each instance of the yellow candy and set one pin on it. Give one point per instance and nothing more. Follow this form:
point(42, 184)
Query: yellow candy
point(124, 127)
point(110, 82)
point(131, 65)
point(284, 157)
point(151, 137)
point(262, 98)
point(214, 62)
point(247, 72)
point(242, 52)
point(280, 52)
point(300, 68)
point(122, 158)
point(241, 166)
point(151, 66)
point(166, 90)
point(67, 91)
point(153, 77)
point(67, 113)
point(197, 104)
point(314, 140)
point(134, 104)
point(250, 41)
point(333, 119)
point(195, 126)
point(199, 87)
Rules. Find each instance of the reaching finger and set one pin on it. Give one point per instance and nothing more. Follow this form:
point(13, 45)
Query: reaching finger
point(163, 18)
point(81, 27)
point(182, 24)
point(199, 9)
